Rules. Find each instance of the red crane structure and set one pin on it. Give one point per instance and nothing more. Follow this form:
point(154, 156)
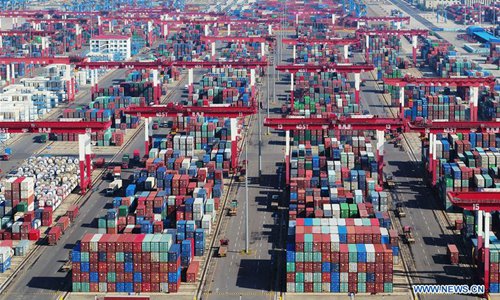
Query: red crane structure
point(10, 62)
point(305, 12)
point(380, 125)
point(27, 36)
point(483, 203)
point(147, 19)
point(397, 20)
point(171, 110)
point(234, 39)
point(432, 128)
point(36, 23)
point(357, 69)
point(473, 83)
point(159, 64)
point(335, 42)
point(83, 129)
point(414, 33)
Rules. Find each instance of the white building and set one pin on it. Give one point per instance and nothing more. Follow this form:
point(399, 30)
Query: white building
point(114, 44)
point(433, 4)
point(483, 2)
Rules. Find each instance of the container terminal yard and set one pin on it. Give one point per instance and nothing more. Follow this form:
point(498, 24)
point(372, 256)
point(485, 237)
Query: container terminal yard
point(249, 149)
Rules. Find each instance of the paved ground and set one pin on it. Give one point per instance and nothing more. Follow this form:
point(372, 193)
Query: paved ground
point(429, 263)
point(252, 275)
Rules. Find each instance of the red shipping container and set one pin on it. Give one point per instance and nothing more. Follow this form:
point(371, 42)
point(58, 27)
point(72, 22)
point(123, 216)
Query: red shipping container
point(54, 235)
point(6, 243)
point(308, 287)
point(111, 287)
point(192, 271)
point(34, 235)
point(173, 287)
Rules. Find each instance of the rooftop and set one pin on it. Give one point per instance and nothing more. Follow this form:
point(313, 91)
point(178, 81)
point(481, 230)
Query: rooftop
point(487, 37)
point(110, 37)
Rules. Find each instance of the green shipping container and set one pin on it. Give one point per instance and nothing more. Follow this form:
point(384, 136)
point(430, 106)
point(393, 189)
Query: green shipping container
point(120, 257)
point(22, 207)
point(111, 277)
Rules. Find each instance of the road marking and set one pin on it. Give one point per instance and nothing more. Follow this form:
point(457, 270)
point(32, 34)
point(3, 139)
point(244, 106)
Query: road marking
point(240, 294)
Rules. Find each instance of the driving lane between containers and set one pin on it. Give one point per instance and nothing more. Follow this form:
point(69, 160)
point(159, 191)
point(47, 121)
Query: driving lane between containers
point(251, 276)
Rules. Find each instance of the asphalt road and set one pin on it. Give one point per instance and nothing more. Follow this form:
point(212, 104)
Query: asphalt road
point(253, 275)
point(41, 280)
point(428, 253)
point(413, 12)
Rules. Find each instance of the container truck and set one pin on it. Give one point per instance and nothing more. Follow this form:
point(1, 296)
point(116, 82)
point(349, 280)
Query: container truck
point(5, 155)
point(156, 125)
point(99, 162)
point(453, 254)
point(42, 139)
point(222, 252)
point(137, 155)
point(117, 172)
point(233, 209)
point(114, 187)
point(125, 161)
point(399, 210)
point(408, 235)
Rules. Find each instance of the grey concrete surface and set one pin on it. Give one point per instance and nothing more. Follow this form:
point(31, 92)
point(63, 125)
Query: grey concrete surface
point(252, 275)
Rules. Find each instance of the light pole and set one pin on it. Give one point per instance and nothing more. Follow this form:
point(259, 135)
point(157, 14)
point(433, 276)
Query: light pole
point(246, 197)
point(260, 140)
point(268, 93)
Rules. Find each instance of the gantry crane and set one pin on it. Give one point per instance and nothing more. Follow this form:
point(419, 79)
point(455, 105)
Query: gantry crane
point(311, 41)
point(171, 110)
point(357, 69)
point(160, 63)
point(483, 203)
point(365, 19)
point(78, 23)
point(380, 125)
point(414, 33)
point(234, 39)
point(473, 83)
point(9, 63)
point(83, 129)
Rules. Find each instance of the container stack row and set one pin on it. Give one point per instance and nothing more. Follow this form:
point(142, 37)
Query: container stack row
point(466, 162)
point(324, 256)
point(126, 263)
point(323, 92)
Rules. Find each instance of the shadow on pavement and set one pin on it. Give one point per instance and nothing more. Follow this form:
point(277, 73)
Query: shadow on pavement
point(50, 283)
point(254, 274)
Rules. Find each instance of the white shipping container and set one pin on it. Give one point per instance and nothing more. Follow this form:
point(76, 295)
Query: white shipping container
point(94, 242)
